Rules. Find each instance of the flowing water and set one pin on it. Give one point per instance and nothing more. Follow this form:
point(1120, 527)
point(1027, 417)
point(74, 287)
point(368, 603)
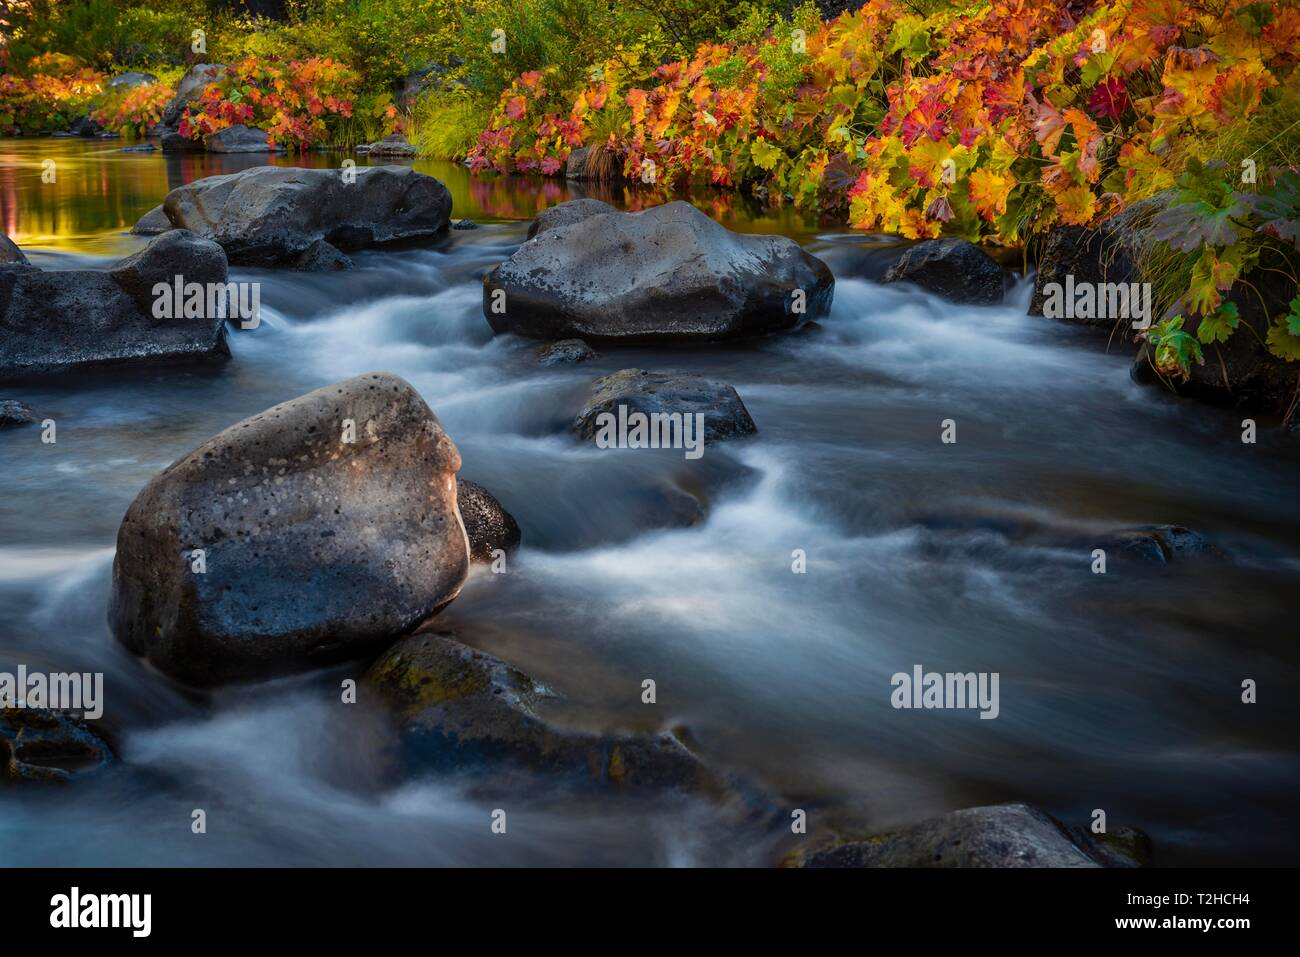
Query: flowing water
point(1118, 691)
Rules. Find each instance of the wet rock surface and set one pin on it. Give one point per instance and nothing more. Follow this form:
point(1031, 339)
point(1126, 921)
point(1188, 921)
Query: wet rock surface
point(461, 708)
point(487, 524)
point(666, 393)
point(61, 321)
point(565, 352)
point(670, 273)
point(272, 215)
point(315, 548)
point(1004, 835)
point(41, 745)
point(955, 269)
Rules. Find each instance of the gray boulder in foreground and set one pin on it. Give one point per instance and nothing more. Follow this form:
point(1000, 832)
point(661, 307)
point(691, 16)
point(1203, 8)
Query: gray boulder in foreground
point(953, 269)
point(668, 273)
point(666, 393)
point(67, 320)
point(462, 709)
point(272, 215)
point(315, 548)
point(1001, 836)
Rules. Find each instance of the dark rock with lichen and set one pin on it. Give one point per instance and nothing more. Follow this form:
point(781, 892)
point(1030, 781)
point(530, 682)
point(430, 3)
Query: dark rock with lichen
point(462, 709)
point(41, 745)
point(1002, 836)
point(1158, 544)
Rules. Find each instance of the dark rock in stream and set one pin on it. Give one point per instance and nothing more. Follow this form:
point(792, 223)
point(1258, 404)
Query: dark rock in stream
point(461, 708)
point(41, 745)
point(1004, 835)
point(954, 269)
point(60, 321)
point(565, 352)
point(666, 394)
point(488, 526)
point(14, 413)
point(272, 215)
point(669, 273)
point(328, 526)
point(1158, 544)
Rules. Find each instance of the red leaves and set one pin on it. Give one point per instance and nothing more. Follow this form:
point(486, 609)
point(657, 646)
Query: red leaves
point(1109, 99)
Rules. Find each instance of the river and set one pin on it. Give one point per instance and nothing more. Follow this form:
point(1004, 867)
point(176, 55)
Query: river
point(1118, 691)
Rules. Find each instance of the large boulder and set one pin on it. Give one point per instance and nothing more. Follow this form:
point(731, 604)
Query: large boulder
point(327, 527)
point(75, 319)
point(669, 273)
point(462, 709)
point(953, 269)
point(1004, 835)
point(488, 526)
point(271, 215)
point(670, 393)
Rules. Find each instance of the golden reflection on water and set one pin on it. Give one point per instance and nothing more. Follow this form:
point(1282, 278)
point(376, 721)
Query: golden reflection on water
point(97, 192)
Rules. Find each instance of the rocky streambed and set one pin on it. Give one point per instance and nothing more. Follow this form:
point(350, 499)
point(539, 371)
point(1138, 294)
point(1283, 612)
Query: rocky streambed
point(364, 573)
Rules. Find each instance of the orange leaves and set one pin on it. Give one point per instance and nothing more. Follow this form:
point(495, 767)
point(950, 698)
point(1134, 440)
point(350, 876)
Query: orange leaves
point(1237, 92)
point(989, 192)
point(516, 107)
point(637, 102)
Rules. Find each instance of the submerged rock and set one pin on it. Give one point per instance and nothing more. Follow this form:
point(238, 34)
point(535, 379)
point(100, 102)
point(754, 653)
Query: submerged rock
point(955, 269)
point(1158, 544)
point(565, 352)
point(1004, 835)
point(272, 215)
point(669, 273)
point(59, 321)
point(461, 709)
point(44, 745)
point(488, 526)
point(14, 413)
point(659, 393)
point(327, 526)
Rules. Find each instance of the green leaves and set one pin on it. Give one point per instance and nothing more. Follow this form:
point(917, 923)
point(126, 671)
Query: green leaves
point(1218, 325)
point(1203, 212)
point(765, 154)
point(1173, 349)
point(1284, 334)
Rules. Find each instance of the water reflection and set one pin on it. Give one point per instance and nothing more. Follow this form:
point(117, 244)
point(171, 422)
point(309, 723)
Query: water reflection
point(99, 191)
